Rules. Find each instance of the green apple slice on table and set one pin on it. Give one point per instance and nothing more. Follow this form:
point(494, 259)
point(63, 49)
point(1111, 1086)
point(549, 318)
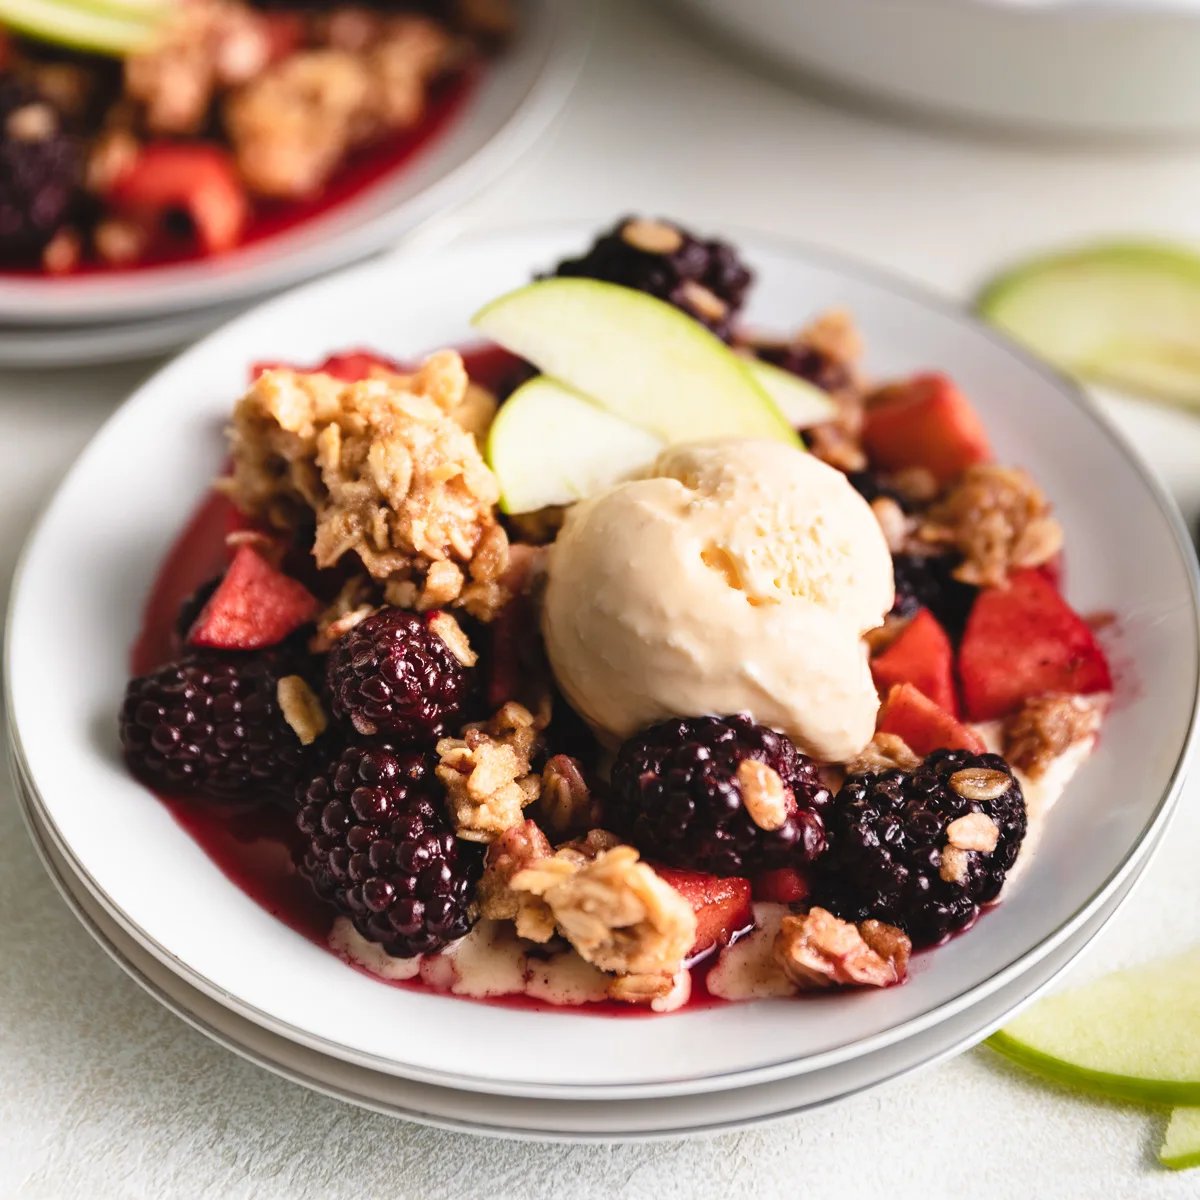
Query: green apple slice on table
point(1181, 1147)
point(548, 445)
point(114, 29)
point(1134, 1035)
point(803, 404)
point(1125, 314)
point(636, 356)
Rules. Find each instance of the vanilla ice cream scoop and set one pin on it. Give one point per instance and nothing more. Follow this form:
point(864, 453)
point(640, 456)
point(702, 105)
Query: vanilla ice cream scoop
point(738, 577)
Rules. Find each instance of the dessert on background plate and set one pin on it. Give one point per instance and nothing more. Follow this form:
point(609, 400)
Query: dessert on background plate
point(631, 657)
point(148, 133)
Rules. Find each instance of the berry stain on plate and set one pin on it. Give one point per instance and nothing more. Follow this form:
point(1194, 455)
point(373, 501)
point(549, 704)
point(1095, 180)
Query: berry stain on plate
point(545, 711)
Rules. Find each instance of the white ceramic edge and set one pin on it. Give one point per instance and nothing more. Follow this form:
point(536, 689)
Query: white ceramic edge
point(777, 1070)
point(39, 302)
point(222, 1035)
point(91, 345)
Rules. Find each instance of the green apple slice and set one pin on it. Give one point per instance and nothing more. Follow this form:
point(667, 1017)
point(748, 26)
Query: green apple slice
point(63, 24)
point(548, 445)
point(1134, 1035)
point(1181, 1147)
point(134, 10)
point(1125, 314)
point(637, 356)
point(803, 404)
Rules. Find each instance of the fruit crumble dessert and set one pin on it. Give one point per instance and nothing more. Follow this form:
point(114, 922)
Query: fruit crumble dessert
point(630, 658)
point(145, 132)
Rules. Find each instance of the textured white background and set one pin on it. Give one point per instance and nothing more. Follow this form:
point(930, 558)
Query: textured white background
point(104, 1095)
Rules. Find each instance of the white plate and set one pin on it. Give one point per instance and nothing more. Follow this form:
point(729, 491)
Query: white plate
point(577, 1121)
point(1082, 68)
point(88, 566)
point(518, 95)
point(85, 345)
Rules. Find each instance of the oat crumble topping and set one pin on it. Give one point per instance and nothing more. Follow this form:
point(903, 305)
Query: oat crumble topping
point(487, 775)
point(819, 950)
point(955, 865)
point(998, 519)
point(616, 912)
point(884, 752)
point(1046, 728)
point(292, 124)
point(513, 851)
point(566, 805)
point(975, 831)
point(390, 475)
point(765, 798)
point(301, 708)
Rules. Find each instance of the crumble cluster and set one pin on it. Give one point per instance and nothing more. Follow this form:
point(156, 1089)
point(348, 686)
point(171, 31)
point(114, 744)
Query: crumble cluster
point(595, 892)
point(1045, 728)
point(293, 124)
point(389, 474)
point(819, 950)
point(487, 773)
point(998, 519)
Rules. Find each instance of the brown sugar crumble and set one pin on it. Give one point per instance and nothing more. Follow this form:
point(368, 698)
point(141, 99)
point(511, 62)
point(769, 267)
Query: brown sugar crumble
point(387, 471)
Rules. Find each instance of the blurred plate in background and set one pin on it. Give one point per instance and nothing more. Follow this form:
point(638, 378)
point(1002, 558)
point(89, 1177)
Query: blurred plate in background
point(515, 99)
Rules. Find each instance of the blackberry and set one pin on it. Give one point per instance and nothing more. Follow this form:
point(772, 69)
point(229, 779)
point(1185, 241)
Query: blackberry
point(828, 373)
point(393, 676)
point(677, 796)
point(887, 839)
point(41, 173)
point(927, 581)
point(210, 725)
point(381, 851)
point(871, 486)
point(705, 279)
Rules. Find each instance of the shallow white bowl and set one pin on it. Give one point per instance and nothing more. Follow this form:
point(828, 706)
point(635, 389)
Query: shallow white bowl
point(1091, 67)
point(85, 574)
point(519, 93)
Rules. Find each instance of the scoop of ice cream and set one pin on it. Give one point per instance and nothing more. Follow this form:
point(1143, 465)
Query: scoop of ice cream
point(738, 577)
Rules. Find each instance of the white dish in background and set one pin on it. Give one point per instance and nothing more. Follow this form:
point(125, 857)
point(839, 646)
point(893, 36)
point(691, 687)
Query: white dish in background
point(519, 93)
point(1123, 68)
point(87, 345)
point(551, 1120)
point(127, 499)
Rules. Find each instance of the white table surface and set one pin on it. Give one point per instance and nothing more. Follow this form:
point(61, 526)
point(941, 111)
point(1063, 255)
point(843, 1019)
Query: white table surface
point(104, 1094)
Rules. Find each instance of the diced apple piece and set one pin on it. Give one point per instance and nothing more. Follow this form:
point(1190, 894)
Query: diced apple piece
point(195, 178)
point(803, 404)
point(640, 358)
point(923, 656)
point(1181, 1147)
point(1024, 640)
point(254, 606)
point(922, 725)
point(548, 446)
point(1134, 1034)
point(924, 422)
point(784, 885)
point(722, 906)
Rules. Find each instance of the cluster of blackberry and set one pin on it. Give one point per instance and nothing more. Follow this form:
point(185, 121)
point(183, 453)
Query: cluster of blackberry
point(376, 841)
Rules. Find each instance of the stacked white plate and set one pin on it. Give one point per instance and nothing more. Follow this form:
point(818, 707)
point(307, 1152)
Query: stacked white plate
point(150, 894)
point(50, 321)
